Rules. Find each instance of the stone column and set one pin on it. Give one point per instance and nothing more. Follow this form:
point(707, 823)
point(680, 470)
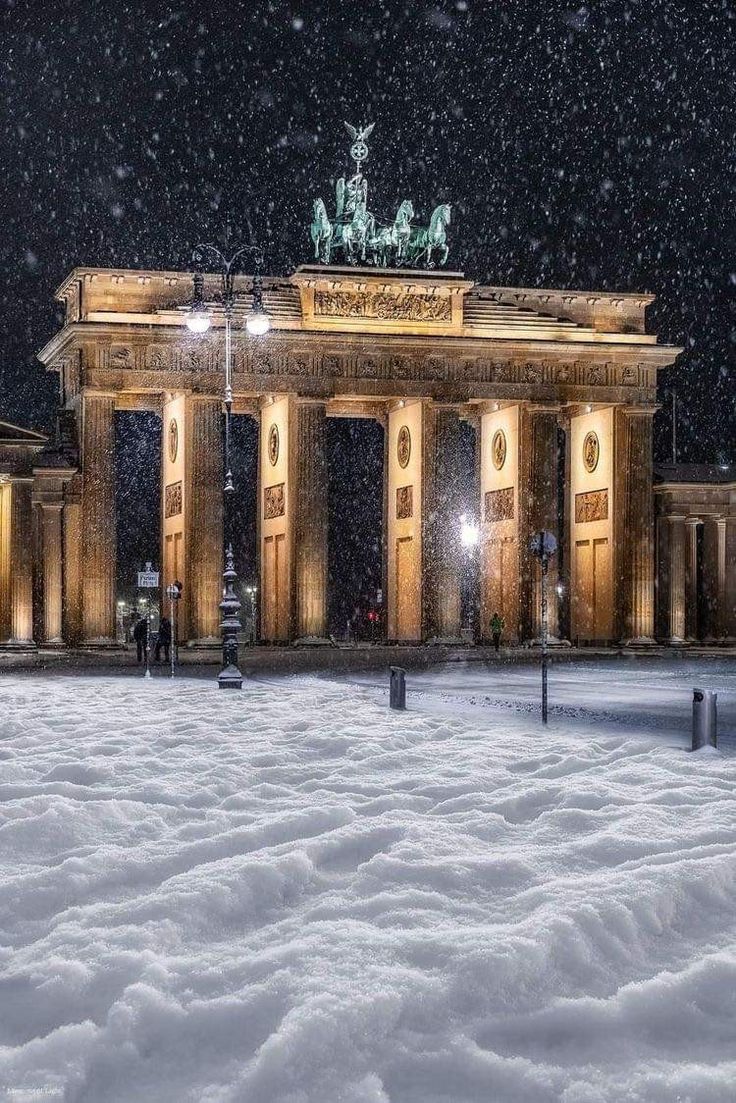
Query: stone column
point(675, 571)
point(52, 573)
point(691, 578)
point(441, 561)
point(635, 535)
point(204, 525)
point(99, 538)
point(538, 511)
point(21, 563)
point(308, 479)
point(729, 606)
point(714, 577)
point(72, 561)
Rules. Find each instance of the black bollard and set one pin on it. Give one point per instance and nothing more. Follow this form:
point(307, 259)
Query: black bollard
point(704, 718)
point(397, 694)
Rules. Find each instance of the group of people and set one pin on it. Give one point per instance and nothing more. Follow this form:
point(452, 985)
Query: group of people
point(163, 639)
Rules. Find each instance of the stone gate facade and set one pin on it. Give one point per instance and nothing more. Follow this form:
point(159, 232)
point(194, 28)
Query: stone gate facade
point(560, 387)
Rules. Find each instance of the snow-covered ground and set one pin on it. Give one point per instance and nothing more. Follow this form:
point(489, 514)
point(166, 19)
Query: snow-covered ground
point(293, 895)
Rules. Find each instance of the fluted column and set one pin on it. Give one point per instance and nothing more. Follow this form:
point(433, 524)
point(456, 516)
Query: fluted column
point(72, 561)
point(204, 481)
point(52, 572)
point(5, 541)
point(21, 563)
point(538, 510)
point(308, 479)
point(675, 569)
point(99, 538)
point(691, 578)
point(714, 577)
point(441, 562)
point(635, 537)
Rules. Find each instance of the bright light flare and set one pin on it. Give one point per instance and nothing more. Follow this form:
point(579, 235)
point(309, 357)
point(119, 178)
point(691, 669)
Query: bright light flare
point(469, 534)
point(257, 324)
point(198, 321)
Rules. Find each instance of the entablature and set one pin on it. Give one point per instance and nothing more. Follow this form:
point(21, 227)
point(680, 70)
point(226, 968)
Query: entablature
point(370, 301)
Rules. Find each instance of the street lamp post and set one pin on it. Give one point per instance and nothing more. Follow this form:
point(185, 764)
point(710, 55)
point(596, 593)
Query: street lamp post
point(199, 320)
point(543, 545)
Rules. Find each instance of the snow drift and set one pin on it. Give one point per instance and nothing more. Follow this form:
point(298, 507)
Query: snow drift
point(292, 895)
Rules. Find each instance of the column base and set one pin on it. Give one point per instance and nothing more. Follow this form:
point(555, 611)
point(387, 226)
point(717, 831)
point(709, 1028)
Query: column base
point(552, 641)
point(640, 641)
point(101, 643)
point(677, 641)
point(446, 641)
point(314, 641)
point(57, 644)
point(19, 646)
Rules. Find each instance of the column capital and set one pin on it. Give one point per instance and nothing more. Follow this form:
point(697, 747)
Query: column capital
point(92, 392)
point(541, 407)
point(634, 410)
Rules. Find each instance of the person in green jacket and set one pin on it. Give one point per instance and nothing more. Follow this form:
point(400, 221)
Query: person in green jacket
point(497, 626)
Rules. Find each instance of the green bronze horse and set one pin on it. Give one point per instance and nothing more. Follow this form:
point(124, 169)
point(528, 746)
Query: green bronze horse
point(425, 239)
point(322, 232)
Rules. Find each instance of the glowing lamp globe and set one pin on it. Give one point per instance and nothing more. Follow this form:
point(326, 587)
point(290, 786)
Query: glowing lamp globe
point(198, 321)
point(257, 323)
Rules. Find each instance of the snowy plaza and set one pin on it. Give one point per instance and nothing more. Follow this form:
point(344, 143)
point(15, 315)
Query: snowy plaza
point(295, 895)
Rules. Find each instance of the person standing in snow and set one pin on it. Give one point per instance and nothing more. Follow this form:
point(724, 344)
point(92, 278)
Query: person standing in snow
point(164, 639)
point(497, 626)
point(140, 635)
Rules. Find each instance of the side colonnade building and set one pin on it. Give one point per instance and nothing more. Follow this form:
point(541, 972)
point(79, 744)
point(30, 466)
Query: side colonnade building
point(560, 387)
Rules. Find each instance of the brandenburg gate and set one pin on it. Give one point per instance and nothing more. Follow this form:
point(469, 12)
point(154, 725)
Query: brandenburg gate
point(420, 351)
point(560, 387)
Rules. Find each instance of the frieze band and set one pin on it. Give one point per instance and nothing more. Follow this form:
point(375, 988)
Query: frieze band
point(279, 359)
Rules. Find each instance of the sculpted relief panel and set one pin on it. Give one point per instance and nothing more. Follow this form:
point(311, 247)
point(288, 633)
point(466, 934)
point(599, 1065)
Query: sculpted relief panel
point(274, 502)
point(499, 504)
point(591, 506)
point(416, 308)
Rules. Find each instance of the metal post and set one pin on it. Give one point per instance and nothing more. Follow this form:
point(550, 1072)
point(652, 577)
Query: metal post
point(397, 690)
point(674, 425)
point(543, 545)
point(705, 718)
point(230, 676)
point(228, 488)
point(172, 614)
point(545, 565)
point(148, 636)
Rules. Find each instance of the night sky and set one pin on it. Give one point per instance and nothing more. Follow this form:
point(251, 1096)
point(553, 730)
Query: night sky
point(584, 147)
point(580, 146)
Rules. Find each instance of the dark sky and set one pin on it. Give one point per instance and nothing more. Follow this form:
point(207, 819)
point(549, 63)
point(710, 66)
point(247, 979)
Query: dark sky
point(581, 146)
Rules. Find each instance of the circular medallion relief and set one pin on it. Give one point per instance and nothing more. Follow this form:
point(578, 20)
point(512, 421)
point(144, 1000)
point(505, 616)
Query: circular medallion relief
point(173, 439)
point(498, 449)
point(591, 452)
point(403, 446)
point(273, 444)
